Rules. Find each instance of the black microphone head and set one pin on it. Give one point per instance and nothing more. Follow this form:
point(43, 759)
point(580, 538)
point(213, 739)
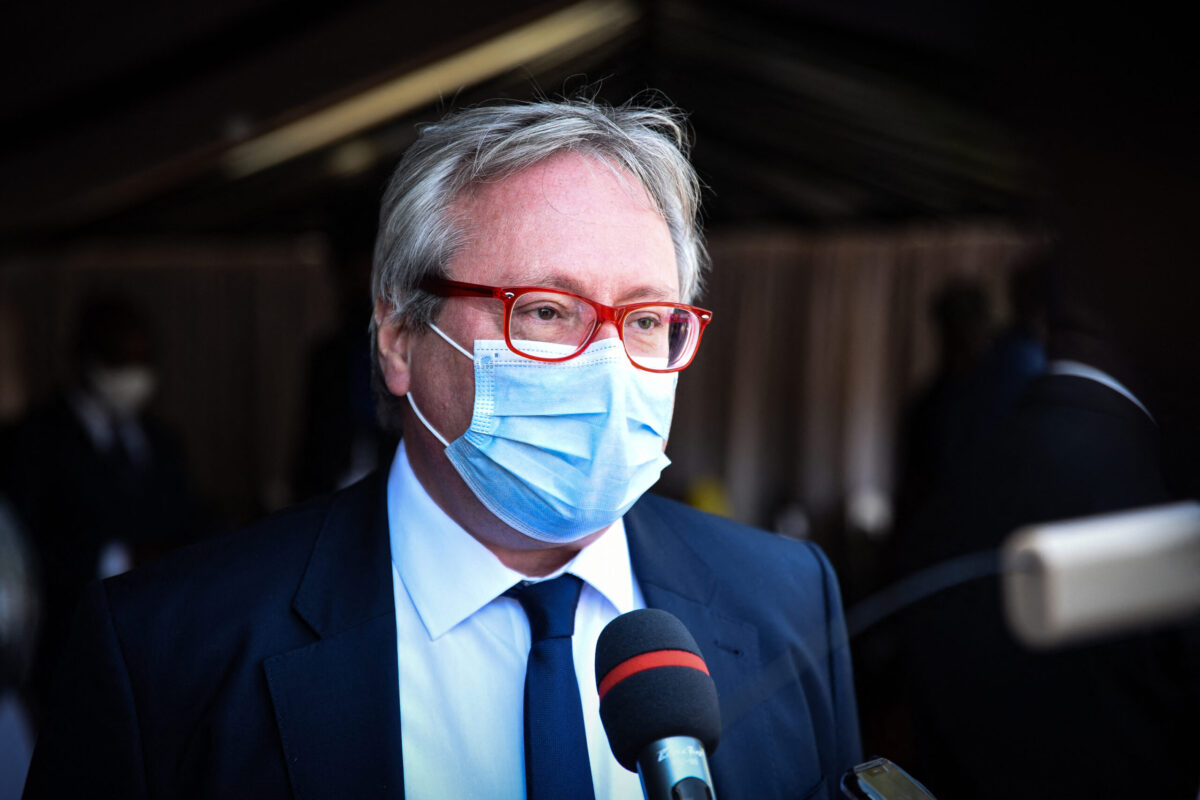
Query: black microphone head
point(653, 684)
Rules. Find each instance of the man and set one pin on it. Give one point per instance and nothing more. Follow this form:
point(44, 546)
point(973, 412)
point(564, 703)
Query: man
point(96, 479)
point(1103, 430)
point(532, 274)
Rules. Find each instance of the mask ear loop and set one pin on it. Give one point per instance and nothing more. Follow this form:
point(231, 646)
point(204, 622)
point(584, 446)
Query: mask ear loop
point(424, 421)
point(413, 403)
point(451, 342)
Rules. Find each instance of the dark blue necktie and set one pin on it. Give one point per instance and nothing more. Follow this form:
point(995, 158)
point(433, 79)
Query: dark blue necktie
point(556, 756)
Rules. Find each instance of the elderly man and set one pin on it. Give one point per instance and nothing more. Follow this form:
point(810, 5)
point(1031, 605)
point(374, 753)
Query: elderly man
point(533, 274)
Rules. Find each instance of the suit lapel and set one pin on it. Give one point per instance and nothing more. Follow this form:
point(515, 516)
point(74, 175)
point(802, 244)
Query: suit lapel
point(336, 700)
point(675, 579)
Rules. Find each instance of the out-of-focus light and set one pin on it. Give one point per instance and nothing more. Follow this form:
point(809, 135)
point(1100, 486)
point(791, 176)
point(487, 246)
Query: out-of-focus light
point(352, 158)
point(1071, 581)
point(870, 510)
point(562, 34)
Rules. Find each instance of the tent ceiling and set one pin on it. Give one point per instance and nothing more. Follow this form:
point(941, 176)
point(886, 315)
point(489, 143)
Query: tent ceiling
point(133, 118)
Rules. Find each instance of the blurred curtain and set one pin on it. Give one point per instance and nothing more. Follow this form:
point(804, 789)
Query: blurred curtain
point(817, 340)
point(793, 400)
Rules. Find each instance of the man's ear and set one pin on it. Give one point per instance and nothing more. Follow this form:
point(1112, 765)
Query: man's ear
point(391, 341)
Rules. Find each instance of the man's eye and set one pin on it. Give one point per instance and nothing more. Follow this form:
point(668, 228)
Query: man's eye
point(645, 323)
point(546, 313)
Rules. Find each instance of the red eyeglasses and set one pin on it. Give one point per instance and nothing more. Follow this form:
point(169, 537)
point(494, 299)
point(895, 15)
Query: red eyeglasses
point(658, 337)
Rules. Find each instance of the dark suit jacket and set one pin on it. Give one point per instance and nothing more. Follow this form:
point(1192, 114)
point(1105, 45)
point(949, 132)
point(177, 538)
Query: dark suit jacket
point(73, 498)
point(1112, 718)
point(264, 665)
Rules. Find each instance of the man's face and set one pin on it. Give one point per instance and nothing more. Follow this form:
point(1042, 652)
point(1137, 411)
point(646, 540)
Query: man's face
point(571, 222)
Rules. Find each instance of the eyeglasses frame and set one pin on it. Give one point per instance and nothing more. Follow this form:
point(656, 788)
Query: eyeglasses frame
point(444, 287)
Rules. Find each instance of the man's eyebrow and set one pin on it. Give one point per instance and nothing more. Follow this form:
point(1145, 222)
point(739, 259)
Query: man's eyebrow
point(642, 293)
point(553, 280)
point(557, 280)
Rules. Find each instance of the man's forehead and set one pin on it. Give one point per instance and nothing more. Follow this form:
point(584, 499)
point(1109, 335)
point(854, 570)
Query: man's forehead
point(552, 182)
point(572, 222)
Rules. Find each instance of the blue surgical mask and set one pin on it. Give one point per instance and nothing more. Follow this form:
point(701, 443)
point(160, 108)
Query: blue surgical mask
point(560, 450)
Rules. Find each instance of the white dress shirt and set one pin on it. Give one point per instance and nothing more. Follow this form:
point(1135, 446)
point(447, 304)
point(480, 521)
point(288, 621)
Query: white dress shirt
point(104, 432)
point(463, 648)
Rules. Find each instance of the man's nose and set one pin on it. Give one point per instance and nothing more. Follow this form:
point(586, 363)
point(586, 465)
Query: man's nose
point(608, 330)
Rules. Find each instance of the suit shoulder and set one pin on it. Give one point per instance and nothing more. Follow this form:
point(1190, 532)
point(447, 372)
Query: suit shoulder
point(734, 546)
point(783, 589)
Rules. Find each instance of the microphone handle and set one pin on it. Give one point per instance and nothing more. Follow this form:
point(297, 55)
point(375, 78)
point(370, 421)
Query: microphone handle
point(675, 768)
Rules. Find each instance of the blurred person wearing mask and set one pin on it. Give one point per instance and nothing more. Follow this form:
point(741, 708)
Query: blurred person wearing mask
point(532, 285)
point(97, 481)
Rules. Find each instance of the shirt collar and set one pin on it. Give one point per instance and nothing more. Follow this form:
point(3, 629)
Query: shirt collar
point(449, 575)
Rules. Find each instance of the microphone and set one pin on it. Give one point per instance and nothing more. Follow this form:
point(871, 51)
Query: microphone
point(658, 704)
point(1069, 581)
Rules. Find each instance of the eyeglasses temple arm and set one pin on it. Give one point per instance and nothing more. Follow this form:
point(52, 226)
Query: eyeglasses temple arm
point(448, 289)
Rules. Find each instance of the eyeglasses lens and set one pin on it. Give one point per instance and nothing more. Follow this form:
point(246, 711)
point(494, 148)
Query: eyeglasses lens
point(656, 337)
point(550, 317)
point(660, 337)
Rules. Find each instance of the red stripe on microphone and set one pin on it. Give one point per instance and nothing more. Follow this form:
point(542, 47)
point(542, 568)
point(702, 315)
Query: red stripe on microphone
point(652, 660)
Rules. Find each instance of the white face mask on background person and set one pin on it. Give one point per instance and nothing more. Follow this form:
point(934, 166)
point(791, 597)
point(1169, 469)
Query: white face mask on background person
point(123, 390)
point(560, 450)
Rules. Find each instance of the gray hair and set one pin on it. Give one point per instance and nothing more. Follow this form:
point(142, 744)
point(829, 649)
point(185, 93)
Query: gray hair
point(418, 234)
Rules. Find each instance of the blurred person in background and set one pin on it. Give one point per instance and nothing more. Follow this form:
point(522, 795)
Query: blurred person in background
point(97, 481)
point(1096, 433)
point(937, 426)
point(982, 373)
point(1111, 426)
point(1017, 352)
point(533, 274)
